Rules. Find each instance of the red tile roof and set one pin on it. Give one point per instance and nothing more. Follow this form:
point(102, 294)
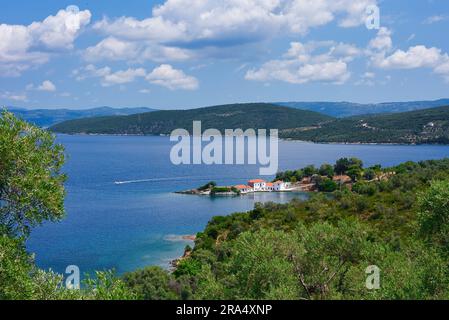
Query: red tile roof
point(242, 186)
point(256, 181)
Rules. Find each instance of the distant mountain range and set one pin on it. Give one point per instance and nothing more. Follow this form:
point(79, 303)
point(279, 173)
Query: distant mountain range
point(420, 126)
point(347, 109)
point(48, 117)
point(243, 116)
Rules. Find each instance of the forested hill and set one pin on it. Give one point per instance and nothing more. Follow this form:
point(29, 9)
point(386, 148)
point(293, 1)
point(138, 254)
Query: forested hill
point(422, 126)
point(244, 116)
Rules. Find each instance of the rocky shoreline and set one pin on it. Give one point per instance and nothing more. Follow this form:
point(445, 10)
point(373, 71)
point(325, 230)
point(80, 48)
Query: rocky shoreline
point(174, 263)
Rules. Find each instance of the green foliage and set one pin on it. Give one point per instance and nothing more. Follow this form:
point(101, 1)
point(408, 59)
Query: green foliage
point(320, 248)
point(327, 185)
point(434, 214)
point(309, 171)
point(106, 286)
point(151, 283)
point(365, 188)
point(216, 190)
point(188, 267)
point(208, 185)
point(31, 184)
point(326, 170)
point(31, 192)
point(369, 174)
point(343, 165)
point(421, 126)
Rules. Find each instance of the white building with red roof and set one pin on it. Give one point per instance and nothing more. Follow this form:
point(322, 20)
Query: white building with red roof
point(281, 185)
point(243, 188)
point(257, 184)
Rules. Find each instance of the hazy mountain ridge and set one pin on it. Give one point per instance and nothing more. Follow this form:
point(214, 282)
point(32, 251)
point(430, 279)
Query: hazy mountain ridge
point(347, 109)
point(48, 117)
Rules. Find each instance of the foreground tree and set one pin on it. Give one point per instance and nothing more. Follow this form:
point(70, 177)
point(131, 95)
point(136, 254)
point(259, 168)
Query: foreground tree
point(31, 192)
point(31, 182)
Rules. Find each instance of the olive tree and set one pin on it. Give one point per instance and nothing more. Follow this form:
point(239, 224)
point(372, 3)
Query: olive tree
point(31, 182)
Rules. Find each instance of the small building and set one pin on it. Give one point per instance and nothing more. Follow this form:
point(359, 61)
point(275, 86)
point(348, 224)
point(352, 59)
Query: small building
point(269, 186)
point(257, 184)
point(243, 188)
point(281, 185)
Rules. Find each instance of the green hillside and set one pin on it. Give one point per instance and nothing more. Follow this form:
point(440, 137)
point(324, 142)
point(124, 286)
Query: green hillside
point(422, 126)
point(244, 116)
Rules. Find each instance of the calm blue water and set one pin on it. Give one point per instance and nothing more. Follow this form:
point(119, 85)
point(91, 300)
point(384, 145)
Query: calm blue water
point(133, 225)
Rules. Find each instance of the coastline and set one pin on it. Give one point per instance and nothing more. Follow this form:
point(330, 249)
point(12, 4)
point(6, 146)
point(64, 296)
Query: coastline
point(173, 263)
point(281, 139)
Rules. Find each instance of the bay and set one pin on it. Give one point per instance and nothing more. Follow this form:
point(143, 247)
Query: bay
point(140, 221)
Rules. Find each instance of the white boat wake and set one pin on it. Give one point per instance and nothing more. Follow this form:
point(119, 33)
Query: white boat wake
point(159, 179)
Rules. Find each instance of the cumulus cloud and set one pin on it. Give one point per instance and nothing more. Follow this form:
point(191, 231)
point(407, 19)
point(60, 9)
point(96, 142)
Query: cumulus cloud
point(115, 49)
point(299, 65)
point(382, 42)
point(164, 75)
point(176, 29)
point(61, 30)
point(111, 48)
point(47, 85)
point(383, 56)
point(23, 47)
point(415, 57)
point(122, 77)
point(107, 76)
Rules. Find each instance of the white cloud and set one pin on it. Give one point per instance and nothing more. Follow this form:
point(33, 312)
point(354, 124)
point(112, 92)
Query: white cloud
point(61, 30)
point(382, 41)
point(383, 56)
point(122, 77)
point(165, 75)
point(14, 96)
point(415, 57)
point(299, 65)
point(115, 49)
point(177, 28)
point(111, 49)
point(23, 47)
point(109, 78)
point(47, 85)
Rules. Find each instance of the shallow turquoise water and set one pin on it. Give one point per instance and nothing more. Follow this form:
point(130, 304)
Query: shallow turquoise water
point(133, 225)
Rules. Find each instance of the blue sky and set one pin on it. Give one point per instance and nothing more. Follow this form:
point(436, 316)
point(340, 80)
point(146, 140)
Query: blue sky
point(181, 54)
